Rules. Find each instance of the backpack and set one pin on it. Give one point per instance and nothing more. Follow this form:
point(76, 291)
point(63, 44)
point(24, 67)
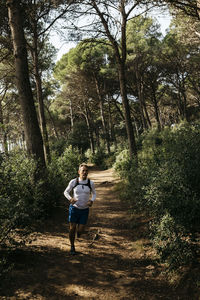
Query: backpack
point(86, 184)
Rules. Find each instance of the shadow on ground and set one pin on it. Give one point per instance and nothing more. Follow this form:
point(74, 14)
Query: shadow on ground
point(106, 268)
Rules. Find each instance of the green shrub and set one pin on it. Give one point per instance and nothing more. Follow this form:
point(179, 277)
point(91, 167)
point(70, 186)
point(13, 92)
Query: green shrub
point(58, 146)
point(21, 199)
point(165, 182)
point(109, 160)
point(169, 191)
point(79, 137)
point(98, 158)
point(69, 162)
point(171, 243)
point(122, 164)
point(25, 203)
point(62, 169)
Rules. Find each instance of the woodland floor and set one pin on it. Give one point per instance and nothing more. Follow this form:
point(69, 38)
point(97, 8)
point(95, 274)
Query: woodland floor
point(113, 262)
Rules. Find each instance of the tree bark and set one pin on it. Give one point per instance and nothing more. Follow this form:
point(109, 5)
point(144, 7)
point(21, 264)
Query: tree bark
point(112, 129)
point(71, 115)
point(33, 135)
point(121, 60)
point(105, 131)
point(53, 123)
point(141, 98)
point(127, 114)
point(156, 111)
point(40, 99)
point(3, 131)
point(89, 126)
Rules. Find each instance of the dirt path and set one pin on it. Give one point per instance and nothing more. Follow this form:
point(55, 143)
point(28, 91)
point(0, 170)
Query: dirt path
point(113, 263)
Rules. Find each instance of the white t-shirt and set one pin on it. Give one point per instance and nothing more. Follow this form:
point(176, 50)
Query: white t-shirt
point(81, 192)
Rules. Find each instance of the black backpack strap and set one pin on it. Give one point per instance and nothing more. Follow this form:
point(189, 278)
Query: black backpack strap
point(89, 184)
point(76, 183)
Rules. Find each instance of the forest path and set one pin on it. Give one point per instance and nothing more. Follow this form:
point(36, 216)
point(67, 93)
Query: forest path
point(113, 262)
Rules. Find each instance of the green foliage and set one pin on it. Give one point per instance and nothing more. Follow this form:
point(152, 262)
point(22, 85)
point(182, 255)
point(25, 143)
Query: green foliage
point(98, 158)
point(101, 159)
point(79, 137)
point(25, 203)
point(123, 164)
point(109, 160)
point(58, 146)
point(62, 169)
point(69, 162)
point(165, 184)
point(20, 197)
point(141, 33)
point(170, 242)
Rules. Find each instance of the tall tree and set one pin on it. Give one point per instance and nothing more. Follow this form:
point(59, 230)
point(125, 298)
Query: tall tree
point(87, 66)
point(109, 19)
point(93, 64)
point(143, 54)
point(31, 128)
point(76, 89)
point(38, 22)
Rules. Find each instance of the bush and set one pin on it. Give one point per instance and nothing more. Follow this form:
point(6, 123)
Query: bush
point(109, 160)
point(79, 137)
point(100, 158)
point(58, 146)
point(122, 164)
point(62, 169)
point(21, 199)
point(169, 191)
point(24, 202)
point(171, 243)
point(165, 182)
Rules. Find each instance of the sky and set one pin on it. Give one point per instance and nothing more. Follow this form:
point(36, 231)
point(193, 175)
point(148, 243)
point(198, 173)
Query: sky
point(63, 47)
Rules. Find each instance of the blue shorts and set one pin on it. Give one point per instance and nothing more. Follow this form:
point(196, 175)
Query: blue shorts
point(78, 216)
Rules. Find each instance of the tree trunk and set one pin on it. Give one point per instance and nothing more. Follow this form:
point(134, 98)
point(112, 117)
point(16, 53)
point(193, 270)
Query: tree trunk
point(3, 131)
point(90, 133)
point(126, 107)
point(71, 115)
point(105, 131)
point(141, 99)
point(185, 115)
point(156, 110)
point(147, 115)
point(52, 121)
point(122, 79)
point(89, 126)
point(3, 127)
point(121, 60)
point(97, 137)
point(112, 130)
point(40, 99)
point(33, 135)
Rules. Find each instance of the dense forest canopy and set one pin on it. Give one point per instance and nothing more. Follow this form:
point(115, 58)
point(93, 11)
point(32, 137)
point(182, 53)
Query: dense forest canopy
point(133, 75)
